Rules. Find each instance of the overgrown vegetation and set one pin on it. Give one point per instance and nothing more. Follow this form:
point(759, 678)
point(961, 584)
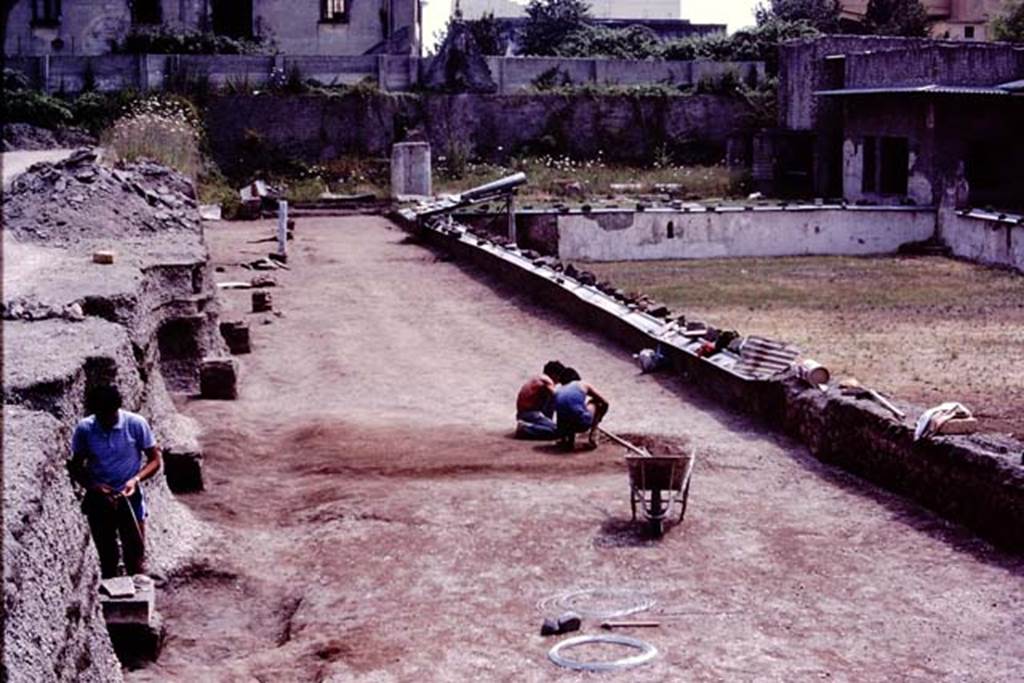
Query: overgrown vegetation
point(633, 42)
point(22, 104)
point(177, 42)
point(557, 178)
point(1010, 26)
point(164, 128)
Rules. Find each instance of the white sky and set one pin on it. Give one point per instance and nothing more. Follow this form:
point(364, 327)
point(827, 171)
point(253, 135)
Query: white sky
point(735, 13)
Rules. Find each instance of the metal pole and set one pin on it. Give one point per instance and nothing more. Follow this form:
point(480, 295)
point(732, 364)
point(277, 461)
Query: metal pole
point(282, 228)
point(510, 204)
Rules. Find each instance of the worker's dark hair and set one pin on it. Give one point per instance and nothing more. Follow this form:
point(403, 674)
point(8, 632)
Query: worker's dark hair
point(570, 375)
point(554, 369)
point(104, 398)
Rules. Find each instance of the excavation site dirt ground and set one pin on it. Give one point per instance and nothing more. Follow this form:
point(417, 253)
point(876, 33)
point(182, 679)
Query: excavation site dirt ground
point(375, 521)
point(927, 329)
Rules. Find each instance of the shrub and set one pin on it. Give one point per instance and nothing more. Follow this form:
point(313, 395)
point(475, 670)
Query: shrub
point(759, 43)
point(97, 111)
point(164, 129)
point(633, 42)
point(166, 41)
point(37, 108)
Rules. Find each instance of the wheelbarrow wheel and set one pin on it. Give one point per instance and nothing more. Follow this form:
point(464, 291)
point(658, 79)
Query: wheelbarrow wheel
point(656, 526)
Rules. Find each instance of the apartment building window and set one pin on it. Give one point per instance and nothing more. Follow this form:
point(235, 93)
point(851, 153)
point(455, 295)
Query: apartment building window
point(146, 12)
point(969, 32)
point(885, 165)
point(46, 12)
point(334, 11)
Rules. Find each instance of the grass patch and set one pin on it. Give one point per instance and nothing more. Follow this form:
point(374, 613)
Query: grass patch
point(558, 178)
point(925, 330)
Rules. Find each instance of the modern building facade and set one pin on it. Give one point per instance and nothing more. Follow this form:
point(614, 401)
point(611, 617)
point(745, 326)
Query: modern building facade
point(951, 19)
point(326, 27)
point(900, 121)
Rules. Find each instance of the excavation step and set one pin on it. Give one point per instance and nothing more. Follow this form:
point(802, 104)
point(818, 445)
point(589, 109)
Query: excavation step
point(135, 627)
point(236, 336)
point(218, 379)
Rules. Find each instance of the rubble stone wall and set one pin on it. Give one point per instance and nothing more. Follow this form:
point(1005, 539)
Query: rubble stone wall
point(70, 323)
point(491, 127)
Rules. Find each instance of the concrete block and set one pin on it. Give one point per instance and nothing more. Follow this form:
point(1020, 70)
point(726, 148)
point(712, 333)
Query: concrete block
point(236, 335)
point(130, 609)
point(218, 379)
point(262, 302)
point(410, 170)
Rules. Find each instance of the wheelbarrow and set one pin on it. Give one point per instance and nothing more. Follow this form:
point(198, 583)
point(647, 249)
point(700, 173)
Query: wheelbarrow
point(658, 484)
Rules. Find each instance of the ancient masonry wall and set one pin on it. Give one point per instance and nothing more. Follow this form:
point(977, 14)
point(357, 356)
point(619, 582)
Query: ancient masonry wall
point(257, 129)
point(69, 323)
point(976, 480)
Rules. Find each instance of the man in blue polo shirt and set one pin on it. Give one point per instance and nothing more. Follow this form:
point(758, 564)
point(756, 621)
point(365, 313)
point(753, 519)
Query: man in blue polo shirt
point(113, 451)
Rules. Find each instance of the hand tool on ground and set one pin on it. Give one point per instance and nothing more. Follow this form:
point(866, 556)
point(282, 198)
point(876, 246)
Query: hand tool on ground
point(622, 442)
point(609, 625)
point(852, 387)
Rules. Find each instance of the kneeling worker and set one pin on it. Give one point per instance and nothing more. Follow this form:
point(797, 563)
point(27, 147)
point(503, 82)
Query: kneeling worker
point(113, 451)
point(535, 405)
point(579, 407)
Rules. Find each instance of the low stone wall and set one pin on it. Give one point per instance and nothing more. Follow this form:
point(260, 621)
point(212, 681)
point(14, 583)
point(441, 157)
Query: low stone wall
point(69, 324)
point(975, 480)
point(984, 237)
point(701, 233)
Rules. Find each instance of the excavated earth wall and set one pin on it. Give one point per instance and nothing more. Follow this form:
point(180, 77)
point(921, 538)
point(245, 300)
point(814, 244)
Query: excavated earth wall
point(145, 322)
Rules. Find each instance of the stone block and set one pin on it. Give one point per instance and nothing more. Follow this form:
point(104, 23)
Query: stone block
point(410, 170)
point(184, 471)
point(236, 335)
point(218, 379)
point(262, 302)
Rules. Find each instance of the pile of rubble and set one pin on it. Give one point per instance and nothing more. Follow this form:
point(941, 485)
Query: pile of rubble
point(79, 200)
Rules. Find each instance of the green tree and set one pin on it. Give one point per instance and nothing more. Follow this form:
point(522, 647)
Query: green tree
point(1010, 26)
point(487, 32)
point(896, 18)
point(821, 14)
point(549, 22)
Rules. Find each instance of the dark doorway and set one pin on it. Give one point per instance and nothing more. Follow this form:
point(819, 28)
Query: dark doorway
point(146, 12)
point(232, 18)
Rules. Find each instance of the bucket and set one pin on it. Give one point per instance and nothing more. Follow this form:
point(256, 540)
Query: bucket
point(813, 372)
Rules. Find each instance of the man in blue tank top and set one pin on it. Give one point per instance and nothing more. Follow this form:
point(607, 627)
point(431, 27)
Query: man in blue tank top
point(579, 407)
point(113, 452)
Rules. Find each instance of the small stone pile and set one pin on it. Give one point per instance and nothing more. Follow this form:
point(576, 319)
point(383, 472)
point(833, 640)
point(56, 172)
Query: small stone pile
point(78, 200)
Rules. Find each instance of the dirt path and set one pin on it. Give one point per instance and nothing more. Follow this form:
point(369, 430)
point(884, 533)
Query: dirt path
point(377, 523)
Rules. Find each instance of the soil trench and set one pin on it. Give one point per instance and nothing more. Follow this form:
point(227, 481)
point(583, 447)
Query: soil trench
point(376, 522)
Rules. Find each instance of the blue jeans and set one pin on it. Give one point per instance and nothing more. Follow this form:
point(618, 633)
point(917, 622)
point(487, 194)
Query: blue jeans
point(533, 424)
